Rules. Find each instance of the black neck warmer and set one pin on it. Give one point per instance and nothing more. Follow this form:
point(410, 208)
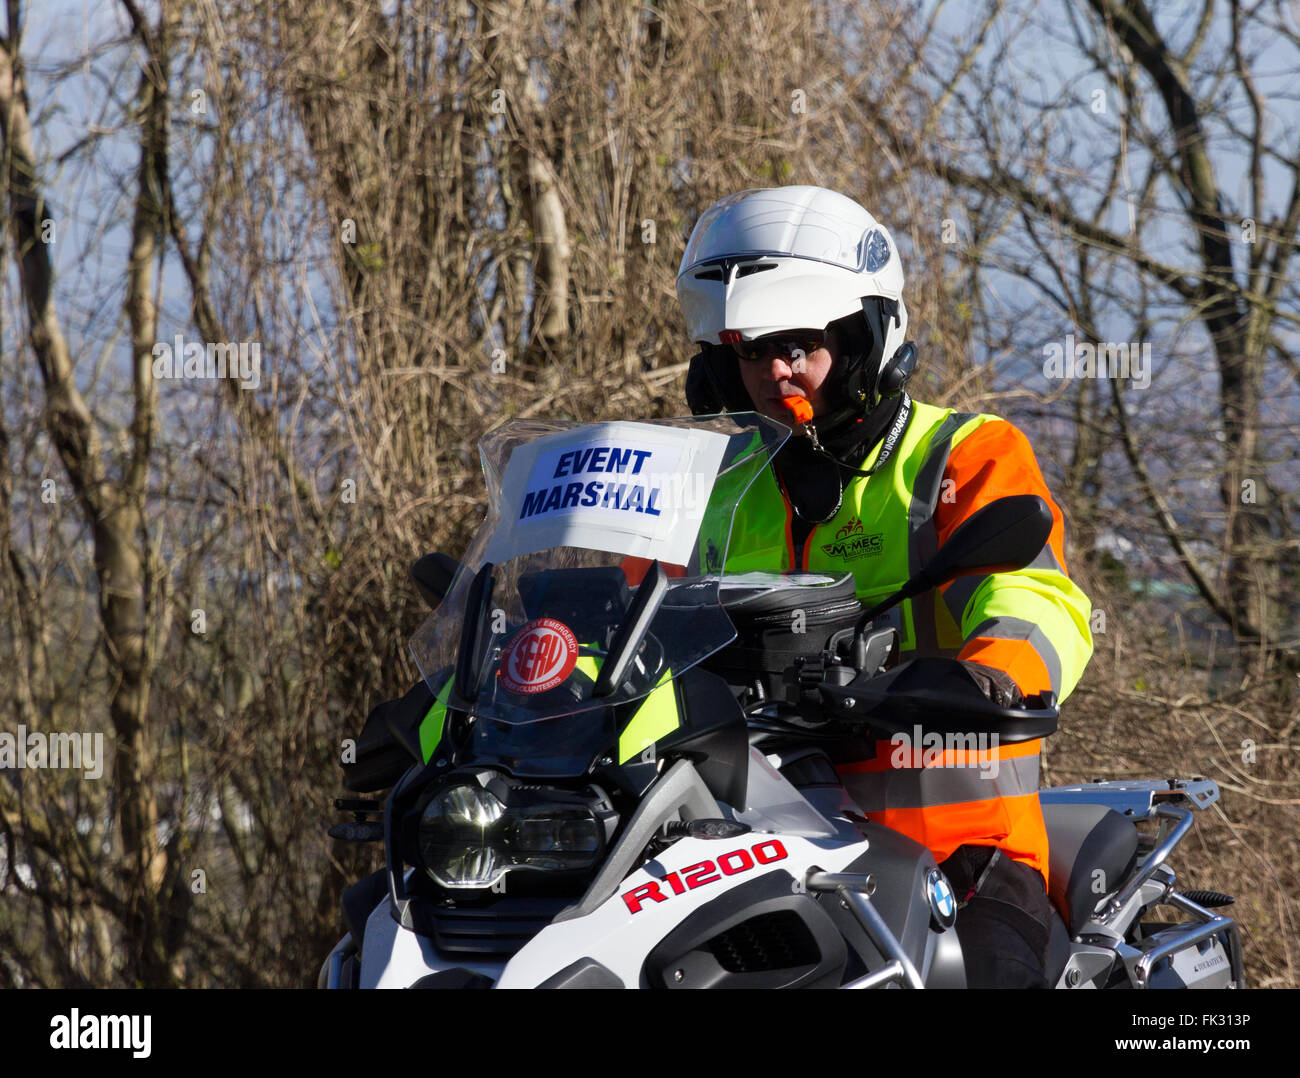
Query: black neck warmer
point(812, 480)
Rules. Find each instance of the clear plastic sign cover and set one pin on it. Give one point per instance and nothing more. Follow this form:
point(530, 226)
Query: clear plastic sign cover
point(576, 514)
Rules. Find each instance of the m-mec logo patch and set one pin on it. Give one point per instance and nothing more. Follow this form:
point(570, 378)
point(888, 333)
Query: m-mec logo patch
point(851, 543)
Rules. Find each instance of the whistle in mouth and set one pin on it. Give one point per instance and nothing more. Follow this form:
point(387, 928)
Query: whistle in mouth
point(799, 408)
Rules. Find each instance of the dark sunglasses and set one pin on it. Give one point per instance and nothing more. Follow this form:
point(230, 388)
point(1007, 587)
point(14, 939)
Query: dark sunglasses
point(803, 343)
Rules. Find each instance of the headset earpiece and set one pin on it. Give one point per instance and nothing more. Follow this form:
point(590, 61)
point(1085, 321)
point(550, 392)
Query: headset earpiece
point(895, 373)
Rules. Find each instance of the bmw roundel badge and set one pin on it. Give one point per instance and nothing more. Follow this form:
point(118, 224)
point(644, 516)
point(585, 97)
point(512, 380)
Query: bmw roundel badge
point(943, 903)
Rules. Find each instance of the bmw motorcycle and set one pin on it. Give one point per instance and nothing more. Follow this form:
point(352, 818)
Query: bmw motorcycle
point(617, 771)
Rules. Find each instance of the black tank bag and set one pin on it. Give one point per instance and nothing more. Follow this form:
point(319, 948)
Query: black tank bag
point(776, 627)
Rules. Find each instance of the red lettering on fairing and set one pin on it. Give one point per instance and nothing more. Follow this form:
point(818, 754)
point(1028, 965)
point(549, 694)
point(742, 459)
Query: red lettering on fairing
point(735, 861)
point(699, 875)
point(731, 863)
point(637, 895)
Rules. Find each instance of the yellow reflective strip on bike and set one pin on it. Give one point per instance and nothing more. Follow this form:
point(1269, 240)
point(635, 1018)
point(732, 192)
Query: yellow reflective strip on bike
point(656, 718)
point(431, 724)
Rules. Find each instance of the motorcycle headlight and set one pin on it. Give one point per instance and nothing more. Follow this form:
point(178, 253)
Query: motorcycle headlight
point(470, 835)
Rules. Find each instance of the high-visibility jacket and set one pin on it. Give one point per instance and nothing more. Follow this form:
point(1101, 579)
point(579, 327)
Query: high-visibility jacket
point(1032, 623)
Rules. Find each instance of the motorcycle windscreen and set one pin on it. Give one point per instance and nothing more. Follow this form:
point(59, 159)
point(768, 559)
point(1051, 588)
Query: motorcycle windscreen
point(576, 514)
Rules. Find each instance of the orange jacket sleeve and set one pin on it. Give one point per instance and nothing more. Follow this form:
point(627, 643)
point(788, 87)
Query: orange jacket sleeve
point(1031, 623)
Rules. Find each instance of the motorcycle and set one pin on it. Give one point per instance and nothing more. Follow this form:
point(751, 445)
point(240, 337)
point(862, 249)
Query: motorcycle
point(603, 782)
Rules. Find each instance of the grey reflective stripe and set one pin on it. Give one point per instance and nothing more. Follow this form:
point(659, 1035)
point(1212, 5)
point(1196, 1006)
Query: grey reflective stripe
point(931, 787)
point(959, 594)
point(1005, 628)
point(1046, 560)
point(927, 488)
point(922, 538)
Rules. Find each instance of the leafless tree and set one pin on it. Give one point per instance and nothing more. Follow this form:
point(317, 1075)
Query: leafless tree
point(435, 217)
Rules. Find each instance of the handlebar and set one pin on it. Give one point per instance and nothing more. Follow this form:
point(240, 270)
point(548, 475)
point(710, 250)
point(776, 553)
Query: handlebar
point(938, 695)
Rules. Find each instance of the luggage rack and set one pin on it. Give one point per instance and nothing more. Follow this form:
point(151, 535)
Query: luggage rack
point(1166, 803)
point(1136, 799)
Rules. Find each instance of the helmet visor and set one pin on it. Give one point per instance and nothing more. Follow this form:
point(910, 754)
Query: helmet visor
point(758, 223)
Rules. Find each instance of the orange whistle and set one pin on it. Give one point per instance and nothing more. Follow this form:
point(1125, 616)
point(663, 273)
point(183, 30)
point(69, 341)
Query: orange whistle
point(800, 408)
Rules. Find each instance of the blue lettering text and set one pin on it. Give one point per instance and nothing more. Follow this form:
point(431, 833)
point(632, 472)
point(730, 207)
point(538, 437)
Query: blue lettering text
point(532, 503)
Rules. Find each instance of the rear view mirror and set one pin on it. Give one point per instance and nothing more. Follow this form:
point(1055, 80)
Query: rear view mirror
point(1004, 535)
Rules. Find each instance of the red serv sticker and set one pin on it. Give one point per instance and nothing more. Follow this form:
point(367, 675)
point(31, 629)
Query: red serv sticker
point(541, 655)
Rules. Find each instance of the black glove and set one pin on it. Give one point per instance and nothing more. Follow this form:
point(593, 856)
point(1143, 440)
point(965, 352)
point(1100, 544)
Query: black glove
point(995, 684)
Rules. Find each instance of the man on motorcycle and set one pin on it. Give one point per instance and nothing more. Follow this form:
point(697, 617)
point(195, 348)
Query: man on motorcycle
point(795, 296)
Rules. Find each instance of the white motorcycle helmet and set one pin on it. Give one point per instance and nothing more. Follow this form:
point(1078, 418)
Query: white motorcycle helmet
point(774, 260)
